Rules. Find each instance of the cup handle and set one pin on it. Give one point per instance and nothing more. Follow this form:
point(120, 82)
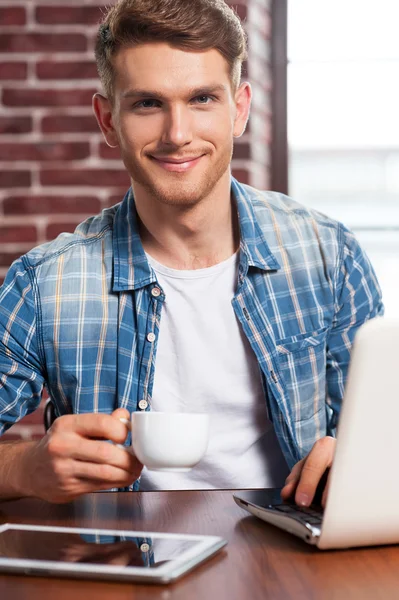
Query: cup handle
point(121, 446)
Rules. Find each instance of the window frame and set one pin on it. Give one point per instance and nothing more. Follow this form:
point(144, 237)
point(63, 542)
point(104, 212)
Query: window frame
point(279, 63)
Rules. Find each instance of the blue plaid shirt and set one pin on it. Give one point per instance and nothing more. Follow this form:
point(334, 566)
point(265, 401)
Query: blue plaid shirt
point(76, 314)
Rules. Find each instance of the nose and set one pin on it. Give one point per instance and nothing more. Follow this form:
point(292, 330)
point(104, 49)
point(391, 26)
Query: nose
point(178, 128)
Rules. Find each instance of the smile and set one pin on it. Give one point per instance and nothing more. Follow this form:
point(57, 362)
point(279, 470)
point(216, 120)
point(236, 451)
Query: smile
point(177, 165)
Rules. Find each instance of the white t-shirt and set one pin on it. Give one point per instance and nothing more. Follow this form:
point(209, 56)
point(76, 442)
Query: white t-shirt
point(204, 363)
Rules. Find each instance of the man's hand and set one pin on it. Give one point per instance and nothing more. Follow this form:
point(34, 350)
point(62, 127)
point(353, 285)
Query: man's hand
point(74, 458)
point(306, 474)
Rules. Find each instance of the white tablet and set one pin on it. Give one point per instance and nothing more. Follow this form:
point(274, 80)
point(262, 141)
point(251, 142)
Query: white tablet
point(102, 554)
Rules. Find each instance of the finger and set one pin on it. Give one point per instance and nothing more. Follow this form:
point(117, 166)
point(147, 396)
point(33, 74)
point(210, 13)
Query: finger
point(124, 416)
point(325, 492)
point(319, 458)
point(121, 413)
point(91, 425)
point(106, 475)
point(100, 452)
point(76, 448)
point(292, 480)
point(79, 486)
point(71, 489)
point(295, 472)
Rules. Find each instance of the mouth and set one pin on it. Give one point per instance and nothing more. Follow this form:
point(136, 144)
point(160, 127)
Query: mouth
point(177, 165)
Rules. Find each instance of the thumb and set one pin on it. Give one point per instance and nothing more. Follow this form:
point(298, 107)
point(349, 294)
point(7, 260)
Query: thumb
point(121, 413)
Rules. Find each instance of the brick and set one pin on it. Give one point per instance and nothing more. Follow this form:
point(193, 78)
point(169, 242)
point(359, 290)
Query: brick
point(69, 124)
point(108, 153)
point(48, 97)
point(12, 15)
point(92, 177)
point(15, 124)
point(241, 10)
point(43, 42)
point(114, 199)
point(45, 205)
point(54, 229)
point(241, 174)
point(13, 70)
point(6, 258)
point(244, 70)
point(14, 179)
point(45, 151)
point(248, 126)
point(262, 84)
point(69, 15)
point(66, 70)
point(242, 150)
point(262, 26)
point(17, 233)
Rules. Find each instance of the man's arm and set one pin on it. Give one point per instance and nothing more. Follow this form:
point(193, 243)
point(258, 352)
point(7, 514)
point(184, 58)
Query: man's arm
point(72, 459)
point(357, 299)
point(12, 457)
point(21, 368)
point(21, 382)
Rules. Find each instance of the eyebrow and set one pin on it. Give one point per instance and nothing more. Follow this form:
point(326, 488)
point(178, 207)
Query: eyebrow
point(153, 94)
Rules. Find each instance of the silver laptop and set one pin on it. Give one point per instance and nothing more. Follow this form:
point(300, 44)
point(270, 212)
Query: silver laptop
point(362, 507)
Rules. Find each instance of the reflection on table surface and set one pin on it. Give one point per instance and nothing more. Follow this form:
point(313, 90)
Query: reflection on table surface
point(259, 562)
point(93, 548)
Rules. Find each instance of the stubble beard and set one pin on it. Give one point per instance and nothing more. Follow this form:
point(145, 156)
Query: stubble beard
point(183, 190)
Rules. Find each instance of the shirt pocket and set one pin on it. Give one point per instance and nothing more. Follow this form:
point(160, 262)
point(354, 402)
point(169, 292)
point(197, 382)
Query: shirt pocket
point(302, 361)
point(303, 341)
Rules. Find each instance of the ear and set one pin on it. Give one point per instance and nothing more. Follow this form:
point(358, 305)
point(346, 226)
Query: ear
point(103, 111)
point(242, 101)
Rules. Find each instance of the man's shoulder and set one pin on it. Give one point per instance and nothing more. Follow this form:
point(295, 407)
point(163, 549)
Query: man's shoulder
point(89, 234)
point(282, 209)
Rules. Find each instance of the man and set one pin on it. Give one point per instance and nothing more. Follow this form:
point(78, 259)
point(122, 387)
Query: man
point(196, 293)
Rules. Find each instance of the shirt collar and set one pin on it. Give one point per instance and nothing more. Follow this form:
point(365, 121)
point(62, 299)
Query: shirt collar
point(254, 248)
point(131, 267)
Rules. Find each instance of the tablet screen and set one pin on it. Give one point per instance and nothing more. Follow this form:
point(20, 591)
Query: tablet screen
point(91, 548)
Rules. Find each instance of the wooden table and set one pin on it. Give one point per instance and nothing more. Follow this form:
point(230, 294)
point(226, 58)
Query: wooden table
point(259, 561)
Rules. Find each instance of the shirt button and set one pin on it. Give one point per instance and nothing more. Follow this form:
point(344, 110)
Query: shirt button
point(156, 292)
point(143, 404)
point(144, 547)
point(151, 337)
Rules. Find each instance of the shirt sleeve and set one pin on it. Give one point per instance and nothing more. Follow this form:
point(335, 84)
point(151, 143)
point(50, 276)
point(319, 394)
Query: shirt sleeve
point(358, 299)
point(21, 378)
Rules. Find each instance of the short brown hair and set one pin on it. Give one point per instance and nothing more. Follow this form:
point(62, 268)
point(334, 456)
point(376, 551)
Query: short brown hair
point(192, 24)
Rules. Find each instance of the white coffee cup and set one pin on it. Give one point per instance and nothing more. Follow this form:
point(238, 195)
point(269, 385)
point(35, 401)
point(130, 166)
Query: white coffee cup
point(169, 441)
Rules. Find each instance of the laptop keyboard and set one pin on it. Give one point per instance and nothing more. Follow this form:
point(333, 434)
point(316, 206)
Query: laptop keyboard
point(312, 514)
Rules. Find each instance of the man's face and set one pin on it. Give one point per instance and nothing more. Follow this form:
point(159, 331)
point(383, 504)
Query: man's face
point(174, 118)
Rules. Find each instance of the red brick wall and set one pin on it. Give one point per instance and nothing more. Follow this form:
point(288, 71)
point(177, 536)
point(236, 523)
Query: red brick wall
point(55, 168)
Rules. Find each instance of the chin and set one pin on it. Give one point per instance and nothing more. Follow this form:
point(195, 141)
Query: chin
point(177, 191)
point(179, 194)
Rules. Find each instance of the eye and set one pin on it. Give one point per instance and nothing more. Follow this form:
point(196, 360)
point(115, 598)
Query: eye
point(148, 103)
point(203, 99)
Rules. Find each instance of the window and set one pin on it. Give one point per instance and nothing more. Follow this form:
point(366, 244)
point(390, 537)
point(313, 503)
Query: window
point(343, 125)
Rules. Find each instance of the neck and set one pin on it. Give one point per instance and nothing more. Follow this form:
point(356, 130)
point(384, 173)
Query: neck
point(189, 237)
